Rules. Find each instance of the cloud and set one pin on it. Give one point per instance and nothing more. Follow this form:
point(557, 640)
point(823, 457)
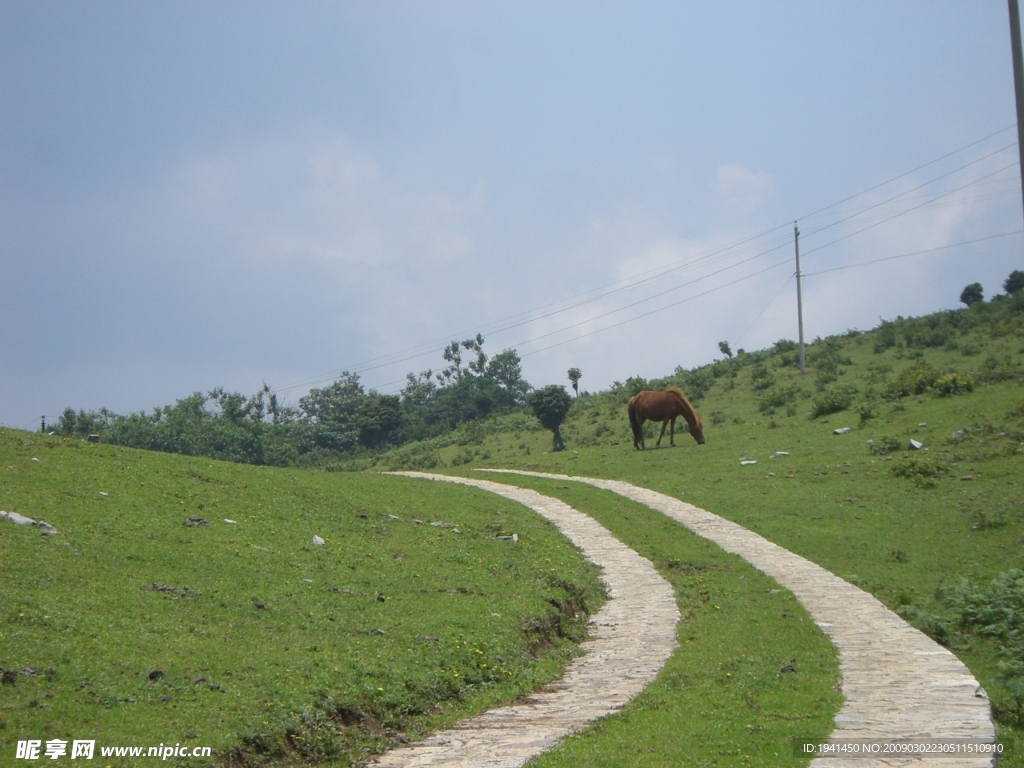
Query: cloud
point(317, 198)
point(741, 188)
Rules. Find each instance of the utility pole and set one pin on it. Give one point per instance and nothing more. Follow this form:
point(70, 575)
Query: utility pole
point(1018, 84)
point(799, 298)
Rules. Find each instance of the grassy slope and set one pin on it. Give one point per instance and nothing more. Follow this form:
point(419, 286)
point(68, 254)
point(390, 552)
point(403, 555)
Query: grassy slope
point(269, 645)
point(832, 500)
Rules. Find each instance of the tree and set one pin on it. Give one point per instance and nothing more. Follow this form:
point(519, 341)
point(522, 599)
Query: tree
point(1015, 282)
point(723, 347)
point(379, 419)
point(506, 371)
point(972, 294)
point(574, 377)
point(454, 373)
point(550, 405)
point(335, 403)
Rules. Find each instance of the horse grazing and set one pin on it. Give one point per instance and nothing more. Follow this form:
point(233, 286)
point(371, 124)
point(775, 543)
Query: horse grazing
point(664, 407)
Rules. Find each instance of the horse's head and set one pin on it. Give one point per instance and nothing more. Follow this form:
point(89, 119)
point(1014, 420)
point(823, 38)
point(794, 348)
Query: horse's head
point(697, 430)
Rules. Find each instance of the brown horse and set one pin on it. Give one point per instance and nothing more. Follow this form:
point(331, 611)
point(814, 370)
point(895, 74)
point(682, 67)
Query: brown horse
point(664, 407)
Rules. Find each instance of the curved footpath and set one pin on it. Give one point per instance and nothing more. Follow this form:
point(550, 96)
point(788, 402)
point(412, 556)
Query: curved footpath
point(898, 683)
point(631, 638)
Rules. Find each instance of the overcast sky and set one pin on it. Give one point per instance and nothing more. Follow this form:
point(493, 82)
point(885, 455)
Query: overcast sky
point(225, 194)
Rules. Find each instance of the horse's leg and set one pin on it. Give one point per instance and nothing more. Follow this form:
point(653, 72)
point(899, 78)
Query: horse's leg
point(663, 425)
point(640, 433)
point(672, 433)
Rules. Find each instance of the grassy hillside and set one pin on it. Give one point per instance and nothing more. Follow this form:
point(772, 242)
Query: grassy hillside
point(274, 650)
point(927, 531)
point(131, 627)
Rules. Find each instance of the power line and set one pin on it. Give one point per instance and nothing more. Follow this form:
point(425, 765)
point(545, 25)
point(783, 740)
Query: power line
point(915, 253)
point(915, 189)
point(770, 302)
point(909, 210)
point(907, 173)
point(754, 274)
point(621, 286)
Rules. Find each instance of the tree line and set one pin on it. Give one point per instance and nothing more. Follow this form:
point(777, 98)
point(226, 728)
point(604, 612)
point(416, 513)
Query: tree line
point(329, 424)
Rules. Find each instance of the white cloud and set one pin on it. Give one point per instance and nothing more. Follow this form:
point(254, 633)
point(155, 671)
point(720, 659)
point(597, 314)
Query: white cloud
point(325, 199)
point(744, 189)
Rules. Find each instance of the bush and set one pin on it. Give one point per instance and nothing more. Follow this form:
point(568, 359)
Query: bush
point(917, 379)
point(921, 469)
point(954, 384)
point(995, 369)
point(885, 444)
point(1015, 282)
point(972, 294)
point(550, 405)
point(763, 382)
point(885, 336)
point(833, 401)
point(776, 398)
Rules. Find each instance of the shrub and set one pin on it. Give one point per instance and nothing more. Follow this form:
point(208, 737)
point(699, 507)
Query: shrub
point(833, 401)
point(885, 336)
point(954, 384)
point(550, 405)
point(1015, 282)
point(776, 398)
point(915, 380)
point(760, 373)
point(972, 294)
point(921, 469)
point(885, 444)
point(995, 369)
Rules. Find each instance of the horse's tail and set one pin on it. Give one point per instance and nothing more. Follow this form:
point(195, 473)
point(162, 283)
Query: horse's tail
point(633, 422)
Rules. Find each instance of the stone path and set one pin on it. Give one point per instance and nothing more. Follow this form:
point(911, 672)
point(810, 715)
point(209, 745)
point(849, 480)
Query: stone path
point(631, 638)
point(898, 683)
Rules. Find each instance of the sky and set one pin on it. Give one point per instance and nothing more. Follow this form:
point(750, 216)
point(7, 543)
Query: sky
point(232, 194)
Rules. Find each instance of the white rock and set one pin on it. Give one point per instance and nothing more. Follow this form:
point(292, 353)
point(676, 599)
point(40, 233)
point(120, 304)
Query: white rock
point(307, 581)
point(34, 459)
point(102, 493)
point(515, 537)
point(922, 424)
point(317, 541)
point(17, 519)
point(913, 445)
point(777, 454)
point(230, 522)
point(747, 463)
point(840, 431)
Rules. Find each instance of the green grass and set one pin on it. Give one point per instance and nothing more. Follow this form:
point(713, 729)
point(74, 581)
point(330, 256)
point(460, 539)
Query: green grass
point(309, 675)
point(270, 648)
point(752, 671)
point(904, 525)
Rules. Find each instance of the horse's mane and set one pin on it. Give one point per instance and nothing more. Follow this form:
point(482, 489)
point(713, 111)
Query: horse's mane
point(689, 406)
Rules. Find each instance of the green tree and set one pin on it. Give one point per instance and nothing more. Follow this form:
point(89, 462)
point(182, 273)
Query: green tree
point(455, 373)
point(506, 371)
point(333, 404)
point(379, 419)
point(723, 347)
point(550, 405)
point(1015, 282)
point(574, 377)
point(972, 294)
